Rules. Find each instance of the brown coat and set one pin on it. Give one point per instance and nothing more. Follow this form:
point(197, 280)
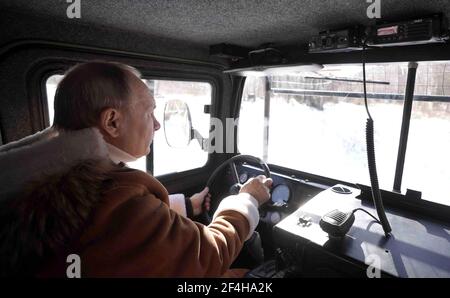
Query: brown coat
point(131, 231)
point(118, 221)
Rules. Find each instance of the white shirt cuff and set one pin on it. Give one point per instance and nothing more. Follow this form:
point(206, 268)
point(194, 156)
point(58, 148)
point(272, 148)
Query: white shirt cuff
point(178, 204)
point(245, 204)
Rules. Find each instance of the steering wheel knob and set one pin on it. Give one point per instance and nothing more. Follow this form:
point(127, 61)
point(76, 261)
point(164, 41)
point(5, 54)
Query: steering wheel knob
point(235, 188)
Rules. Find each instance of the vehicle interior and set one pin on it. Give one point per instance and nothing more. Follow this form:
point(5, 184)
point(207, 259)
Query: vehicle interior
point(344, 104)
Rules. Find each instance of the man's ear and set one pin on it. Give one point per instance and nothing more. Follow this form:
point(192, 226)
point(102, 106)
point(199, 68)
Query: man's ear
point(110, 122)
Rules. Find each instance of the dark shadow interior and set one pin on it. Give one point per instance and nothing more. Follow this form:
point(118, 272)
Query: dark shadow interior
point(172, 40)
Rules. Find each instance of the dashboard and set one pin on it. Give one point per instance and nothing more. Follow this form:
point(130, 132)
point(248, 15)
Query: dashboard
point(418, 247)
point(287, 194)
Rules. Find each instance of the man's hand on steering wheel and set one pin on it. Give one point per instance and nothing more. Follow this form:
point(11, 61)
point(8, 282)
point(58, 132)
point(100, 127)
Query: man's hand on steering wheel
point(201, 201)
point(259, 188)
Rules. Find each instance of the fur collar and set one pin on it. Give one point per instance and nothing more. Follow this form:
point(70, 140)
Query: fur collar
point(46, 153)
point(51, 182)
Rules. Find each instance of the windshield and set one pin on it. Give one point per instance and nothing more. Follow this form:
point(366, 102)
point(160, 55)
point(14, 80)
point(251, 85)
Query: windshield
point(316, 124)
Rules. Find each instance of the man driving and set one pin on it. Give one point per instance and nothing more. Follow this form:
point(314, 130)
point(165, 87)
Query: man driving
point(68, 191)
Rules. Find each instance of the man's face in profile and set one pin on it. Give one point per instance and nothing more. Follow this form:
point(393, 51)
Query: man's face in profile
point(139, 122)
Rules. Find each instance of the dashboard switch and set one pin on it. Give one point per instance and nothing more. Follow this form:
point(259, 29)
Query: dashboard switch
point(304, 221)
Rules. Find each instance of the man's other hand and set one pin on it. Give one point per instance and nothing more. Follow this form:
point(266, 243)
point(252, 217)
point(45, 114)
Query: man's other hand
point(197, 201)
point(259, 188)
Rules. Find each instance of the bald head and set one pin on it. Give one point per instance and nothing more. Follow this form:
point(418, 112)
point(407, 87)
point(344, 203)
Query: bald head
point(89, 88)
point(111, 97)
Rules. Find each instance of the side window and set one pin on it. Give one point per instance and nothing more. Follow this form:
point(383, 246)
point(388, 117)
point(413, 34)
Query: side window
point(196, 95)
point(166, 159)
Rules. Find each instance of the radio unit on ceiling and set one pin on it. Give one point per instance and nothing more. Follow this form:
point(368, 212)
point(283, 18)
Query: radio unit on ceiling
point(418, 31)
point(337, 40)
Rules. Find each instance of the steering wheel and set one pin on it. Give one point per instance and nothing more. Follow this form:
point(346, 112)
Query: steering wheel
point(252, 253)
point(205, 216)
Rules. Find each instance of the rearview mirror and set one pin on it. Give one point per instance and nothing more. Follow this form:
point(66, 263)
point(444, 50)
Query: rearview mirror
point(177, 124)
